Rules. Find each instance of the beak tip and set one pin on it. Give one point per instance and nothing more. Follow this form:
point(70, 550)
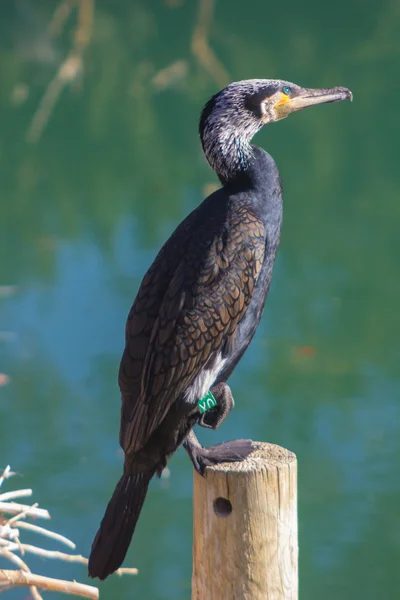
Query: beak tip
point(348, 94)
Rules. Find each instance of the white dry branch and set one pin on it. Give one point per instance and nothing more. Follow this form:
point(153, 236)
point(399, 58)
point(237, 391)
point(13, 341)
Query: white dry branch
point(10, 543)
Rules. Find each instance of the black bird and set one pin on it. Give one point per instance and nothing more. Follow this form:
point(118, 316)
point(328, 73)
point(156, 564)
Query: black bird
point(199, 305)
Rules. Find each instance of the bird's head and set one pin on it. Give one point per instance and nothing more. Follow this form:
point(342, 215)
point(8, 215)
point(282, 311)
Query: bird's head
point(232, 117)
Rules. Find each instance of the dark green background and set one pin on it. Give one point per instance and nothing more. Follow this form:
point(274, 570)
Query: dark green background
point(84, 210)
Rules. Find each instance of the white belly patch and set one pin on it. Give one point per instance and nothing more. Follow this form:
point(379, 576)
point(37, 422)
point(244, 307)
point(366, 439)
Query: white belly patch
point(204, 380)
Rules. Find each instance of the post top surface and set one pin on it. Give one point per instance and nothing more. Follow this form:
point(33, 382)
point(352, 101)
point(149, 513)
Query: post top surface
point(264, 455)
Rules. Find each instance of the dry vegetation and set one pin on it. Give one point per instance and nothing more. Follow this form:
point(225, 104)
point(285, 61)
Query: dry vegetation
point(12, 526)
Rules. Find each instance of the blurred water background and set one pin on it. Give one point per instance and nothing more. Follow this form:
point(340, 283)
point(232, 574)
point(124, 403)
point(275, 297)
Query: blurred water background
point(96, 176)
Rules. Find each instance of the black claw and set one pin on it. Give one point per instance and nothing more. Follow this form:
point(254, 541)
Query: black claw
point(199, 462)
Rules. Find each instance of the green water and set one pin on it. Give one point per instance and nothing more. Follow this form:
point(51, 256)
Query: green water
point(84, 210)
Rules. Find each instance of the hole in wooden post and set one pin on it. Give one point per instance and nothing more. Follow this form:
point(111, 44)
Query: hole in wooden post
point(222, 507)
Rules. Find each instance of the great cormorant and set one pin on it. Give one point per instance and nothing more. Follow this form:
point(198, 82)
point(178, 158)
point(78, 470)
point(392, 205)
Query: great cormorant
point(199, 305)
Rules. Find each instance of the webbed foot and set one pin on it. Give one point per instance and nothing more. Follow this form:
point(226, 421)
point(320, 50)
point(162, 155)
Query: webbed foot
point(232, 451)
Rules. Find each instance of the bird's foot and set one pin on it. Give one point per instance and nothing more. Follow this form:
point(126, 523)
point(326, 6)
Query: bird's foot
point(233, 451)
point(213, 418)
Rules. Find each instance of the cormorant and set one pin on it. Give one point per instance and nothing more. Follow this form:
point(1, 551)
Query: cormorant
point(199, 305)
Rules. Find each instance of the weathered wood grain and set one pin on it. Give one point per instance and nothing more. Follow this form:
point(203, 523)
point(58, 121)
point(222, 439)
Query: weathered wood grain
point(250, 553)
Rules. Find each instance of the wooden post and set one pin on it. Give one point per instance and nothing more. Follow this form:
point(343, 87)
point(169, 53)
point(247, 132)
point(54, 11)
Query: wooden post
point(245, 544)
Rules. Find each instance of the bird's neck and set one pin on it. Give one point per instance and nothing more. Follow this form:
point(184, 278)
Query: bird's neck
point(259, 185)
point(227, 153)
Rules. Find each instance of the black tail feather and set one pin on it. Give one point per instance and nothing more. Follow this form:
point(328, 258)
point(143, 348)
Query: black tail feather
point(116, 529)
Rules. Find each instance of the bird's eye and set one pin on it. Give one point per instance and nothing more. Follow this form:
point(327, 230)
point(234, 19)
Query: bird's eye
point(286, 90)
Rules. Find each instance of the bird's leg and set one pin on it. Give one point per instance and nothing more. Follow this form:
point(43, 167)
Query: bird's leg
point(234, 451)
point(213, 418)
point(195, 451)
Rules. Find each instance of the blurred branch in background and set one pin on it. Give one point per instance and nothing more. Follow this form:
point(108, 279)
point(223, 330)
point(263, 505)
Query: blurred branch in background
point(73, 64)
point(10, 544)
point(71, 67)
point(168, 76)
point(5, 292)
point(201, 47)
point(60, 17)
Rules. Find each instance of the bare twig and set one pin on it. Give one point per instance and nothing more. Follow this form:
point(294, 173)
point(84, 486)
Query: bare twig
point(60, 17)
point(45, 532)
point(170, 75)
point(23, 510)
point(68, 70)
point(126, 571)
point(65, 74)
point(35, 593)
point(13, 546)
point(10, 545)
point(15, 494)
point(6, 474)
point(83, 32)
point(201, 47)
point(24, 569)
point(22, 578)
point(15, 559)
point(8, 533)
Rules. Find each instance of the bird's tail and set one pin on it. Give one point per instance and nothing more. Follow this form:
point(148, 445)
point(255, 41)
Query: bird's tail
point(116, 529)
